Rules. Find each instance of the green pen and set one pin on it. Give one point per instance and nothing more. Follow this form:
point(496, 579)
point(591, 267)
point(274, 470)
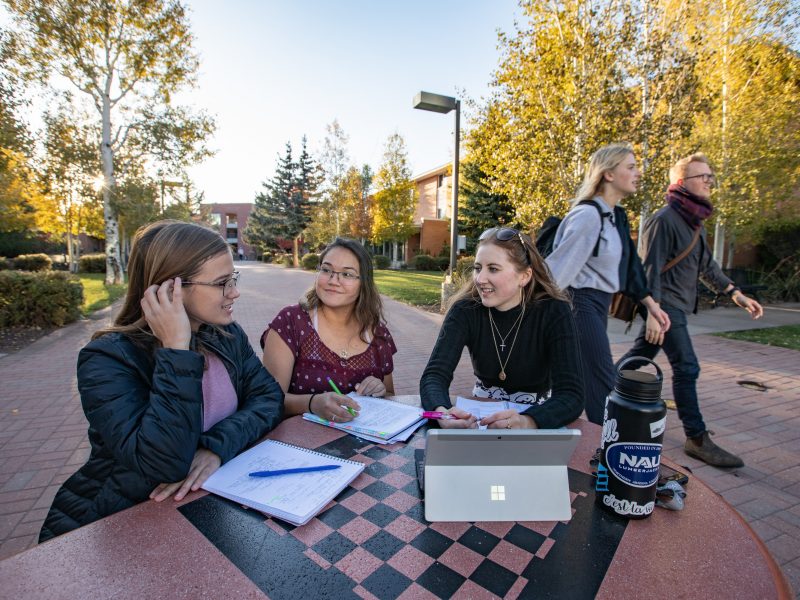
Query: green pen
point(338, 391)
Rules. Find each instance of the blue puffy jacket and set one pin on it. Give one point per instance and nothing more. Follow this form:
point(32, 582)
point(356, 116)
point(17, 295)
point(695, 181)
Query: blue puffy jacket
point(145, 413)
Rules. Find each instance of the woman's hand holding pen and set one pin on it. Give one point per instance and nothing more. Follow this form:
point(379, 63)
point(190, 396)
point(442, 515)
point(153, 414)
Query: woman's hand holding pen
point(463, 419)
point(333, 407)
point(163, 310)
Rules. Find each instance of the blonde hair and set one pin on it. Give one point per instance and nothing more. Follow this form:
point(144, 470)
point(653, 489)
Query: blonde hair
point(678, 170)
point(603, 160)
point(522, 253)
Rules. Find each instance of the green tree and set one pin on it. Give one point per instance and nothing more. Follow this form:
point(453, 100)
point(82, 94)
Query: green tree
point(559, 93)
point(70, 205)
point(335, 162)
point(745, 63)
point(479, 208)
point(127, 57)
point(17, 191)
point(268, 221)
point(395, 198)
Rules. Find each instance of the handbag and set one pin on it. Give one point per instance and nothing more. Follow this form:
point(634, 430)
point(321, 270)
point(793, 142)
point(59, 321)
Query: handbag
point(626, 308)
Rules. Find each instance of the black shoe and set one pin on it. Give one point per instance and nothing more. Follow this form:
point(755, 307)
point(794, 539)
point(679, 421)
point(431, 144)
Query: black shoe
point(702, 448)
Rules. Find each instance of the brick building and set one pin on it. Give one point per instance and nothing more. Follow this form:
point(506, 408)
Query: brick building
point(231, 219)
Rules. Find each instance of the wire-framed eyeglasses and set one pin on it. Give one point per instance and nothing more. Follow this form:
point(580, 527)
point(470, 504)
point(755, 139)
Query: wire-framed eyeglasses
point(708, 178)
point(504, 234)
point(344, 276)
point(227, 285)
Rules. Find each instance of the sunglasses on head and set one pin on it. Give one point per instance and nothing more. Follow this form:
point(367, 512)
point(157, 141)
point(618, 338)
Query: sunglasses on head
point(504, 234)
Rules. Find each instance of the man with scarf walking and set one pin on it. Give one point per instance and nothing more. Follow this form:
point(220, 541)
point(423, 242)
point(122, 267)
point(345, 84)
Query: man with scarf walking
point(675, 253)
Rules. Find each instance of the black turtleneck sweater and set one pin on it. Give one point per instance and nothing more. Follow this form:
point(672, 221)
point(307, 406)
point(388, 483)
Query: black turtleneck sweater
point(544, 357)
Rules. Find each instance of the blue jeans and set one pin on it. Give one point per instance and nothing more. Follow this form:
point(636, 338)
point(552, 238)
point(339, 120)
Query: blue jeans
point(685, 368)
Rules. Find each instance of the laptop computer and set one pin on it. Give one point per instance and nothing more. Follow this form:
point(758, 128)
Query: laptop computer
point(498, 475)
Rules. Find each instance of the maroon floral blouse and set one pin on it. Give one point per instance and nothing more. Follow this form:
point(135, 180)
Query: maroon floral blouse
point(314, 362)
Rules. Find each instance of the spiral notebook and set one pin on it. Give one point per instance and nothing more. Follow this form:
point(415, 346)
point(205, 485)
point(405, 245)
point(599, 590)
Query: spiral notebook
point(294, 498)
point(381, 421)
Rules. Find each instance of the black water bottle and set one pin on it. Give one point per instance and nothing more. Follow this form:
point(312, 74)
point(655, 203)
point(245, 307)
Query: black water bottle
point(633, 430)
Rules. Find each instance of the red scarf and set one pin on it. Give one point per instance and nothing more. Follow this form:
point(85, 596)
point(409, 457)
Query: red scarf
point(692, 208)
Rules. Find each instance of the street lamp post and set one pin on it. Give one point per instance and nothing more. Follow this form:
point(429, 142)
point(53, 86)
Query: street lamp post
point(444, 104)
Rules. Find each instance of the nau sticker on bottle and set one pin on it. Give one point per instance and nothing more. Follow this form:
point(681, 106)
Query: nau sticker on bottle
point(658, 427)
point(634, 463)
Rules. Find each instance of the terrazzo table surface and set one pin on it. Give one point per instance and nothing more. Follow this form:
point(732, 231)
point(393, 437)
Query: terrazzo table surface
point(373, 542)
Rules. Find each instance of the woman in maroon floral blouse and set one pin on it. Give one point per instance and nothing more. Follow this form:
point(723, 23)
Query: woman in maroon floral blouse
point(336, 331)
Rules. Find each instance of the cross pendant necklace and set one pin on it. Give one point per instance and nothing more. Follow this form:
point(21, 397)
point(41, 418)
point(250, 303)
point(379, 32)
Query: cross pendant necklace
point(503, 345)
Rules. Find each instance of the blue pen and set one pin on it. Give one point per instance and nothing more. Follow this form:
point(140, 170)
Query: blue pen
point(290, 471)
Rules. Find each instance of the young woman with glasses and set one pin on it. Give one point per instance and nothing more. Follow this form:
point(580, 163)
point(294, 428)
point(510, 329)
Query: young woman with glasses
point(520, 334)
point(593, 257)
point(173, 389)
point(337, 331)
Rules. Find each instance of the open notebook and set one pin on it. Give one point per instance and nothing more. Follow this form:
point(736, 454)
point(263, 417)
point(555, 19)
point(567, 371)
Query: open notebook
point(380, 421)
point(295, 498)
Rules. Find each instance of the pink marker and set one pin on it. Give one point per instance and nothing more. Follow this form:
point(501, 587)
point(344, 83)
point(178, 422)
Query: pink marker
point(429, 414)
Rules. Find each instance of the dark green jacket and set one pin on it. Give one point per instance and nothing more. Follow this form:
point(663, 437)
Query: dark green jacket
point(145, 413)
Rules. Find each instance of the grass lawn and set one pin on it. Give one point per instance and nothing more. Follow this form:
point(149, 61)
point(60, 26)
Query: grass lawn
point(421, 288)
point(787, 336)
point(96, 294)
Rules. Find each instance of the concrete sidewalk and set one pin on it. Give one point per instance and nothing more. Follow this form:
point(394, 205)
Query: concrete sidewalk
point(43, 430)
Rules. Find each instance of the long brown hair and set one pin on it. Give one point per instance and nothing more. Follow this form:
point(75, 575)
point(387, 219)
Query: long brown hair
point(162, 250)
point(522, 253)
point(368, 310)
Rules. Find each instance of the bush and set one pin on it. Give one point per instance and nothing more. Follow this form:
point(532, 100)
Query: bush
point(381, 261)
point(48, 299)
point(266, 257)
point(33, 262)
point(465, 265)
point(442, 262)
point(779, 254)
point(92, 263)
point(5, 264)
point(423, 262)
point(310, 261)
point(285, 259)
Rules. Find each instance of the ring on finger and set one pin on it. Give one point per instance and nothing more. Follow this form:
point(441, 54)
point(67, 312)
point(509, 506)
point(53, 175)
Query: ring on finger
point(509, 424)
point(333, 418)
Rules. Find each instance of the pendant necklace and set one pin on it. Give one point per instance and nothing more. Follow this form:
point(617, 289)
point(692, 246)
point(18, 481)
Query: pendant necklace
point(503, 364)
point(502, 337)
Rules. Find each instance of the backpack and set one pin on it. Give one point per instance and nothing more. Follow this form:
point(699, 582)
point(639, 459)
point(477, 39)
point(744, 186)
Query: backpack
point(546, 235)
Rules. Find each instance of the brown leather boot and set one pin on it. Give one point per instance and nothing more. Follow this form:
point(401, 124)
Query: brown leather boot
point(702, 448)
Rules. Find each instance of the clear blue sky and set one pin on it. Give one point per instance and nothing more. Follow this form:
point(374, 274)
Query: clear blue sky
point(274, 70)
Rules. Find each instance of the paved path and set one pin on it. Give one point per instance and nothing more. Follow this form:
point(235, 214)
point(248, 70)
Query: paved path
point(43, 430)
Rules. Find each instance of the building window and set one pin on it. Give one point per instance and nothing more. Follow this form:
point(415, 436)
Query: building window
point(440, 181)
point(232, 219)
point(215, 219)
point(232, 233)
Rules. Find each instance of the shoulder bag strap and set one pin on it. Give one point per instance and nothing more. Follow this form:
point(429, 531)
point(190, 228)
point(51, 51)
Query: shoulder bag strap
point(683, 254)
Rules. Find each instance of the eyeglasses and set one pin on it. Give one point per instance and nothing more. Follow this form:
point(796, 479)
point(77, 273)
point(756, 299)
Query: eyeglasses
point(226, 285)
point(344, 276)
point(707, 178)
point(504, 234)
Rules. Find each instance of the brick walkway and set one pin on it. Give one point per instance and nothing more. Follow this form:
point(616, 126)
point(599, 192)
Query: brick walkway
point(43, 430)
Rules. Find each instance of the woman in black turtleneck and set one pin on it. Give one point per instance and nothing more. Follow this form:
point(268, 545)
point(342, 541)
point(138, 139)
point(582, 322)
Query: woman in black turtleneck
point(521, 337)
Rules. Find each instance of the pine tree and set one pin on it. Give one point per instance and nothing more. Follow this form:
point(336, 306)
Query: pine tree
point(479, 207)
point(269, 221)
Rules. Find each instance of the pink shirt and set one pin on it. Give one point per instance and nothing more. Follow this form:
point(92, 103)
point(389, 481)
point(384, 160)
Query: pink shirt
point(219, 395)
point(314, 362)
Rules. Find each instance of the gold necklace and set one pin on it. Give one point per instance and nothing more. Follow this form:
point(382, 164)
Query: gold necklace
point(502, 337)
point(502, 374)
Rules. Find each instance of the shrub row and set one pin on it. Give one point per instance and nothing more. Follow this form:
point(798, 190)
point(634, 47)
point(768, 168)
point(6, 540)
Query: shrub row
point(92, 263)
point(423, 262)
point(48, 299)
point(33, 262)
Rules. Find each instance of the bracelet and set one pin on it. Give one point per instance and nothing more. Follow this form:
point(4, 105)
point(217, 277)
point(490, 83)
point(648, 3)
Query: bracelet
point(733, 290)
point(310, 398)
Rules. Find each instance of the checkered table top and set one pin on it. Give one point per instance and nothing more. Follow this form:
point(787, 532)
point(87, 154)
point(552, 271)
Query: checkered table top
point(373, 541)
